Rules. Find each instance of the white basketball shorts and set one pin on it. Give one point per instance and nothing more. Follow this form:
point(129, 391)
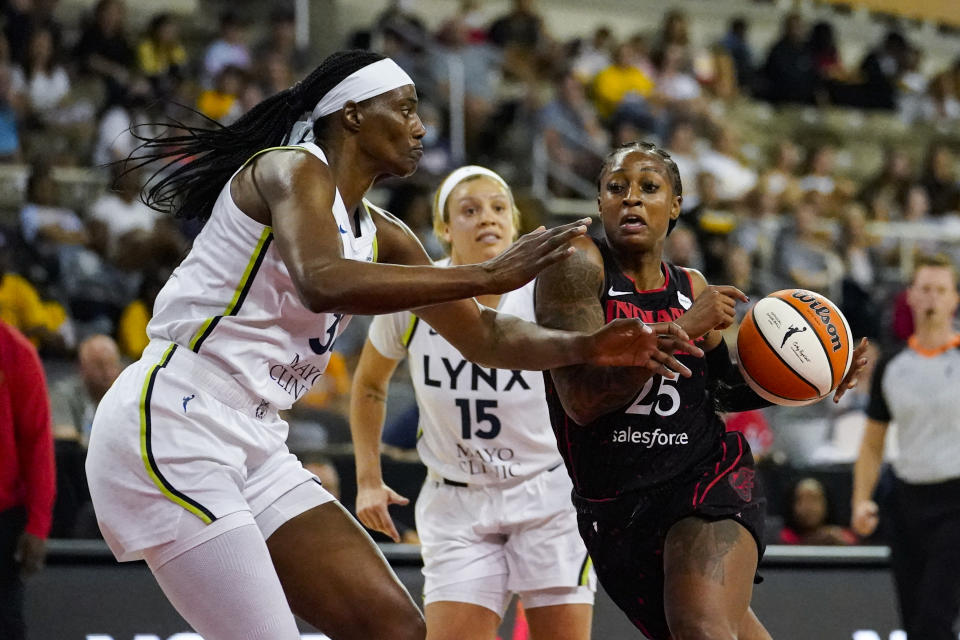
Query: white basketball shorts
point(175, 438)
point(519, 539)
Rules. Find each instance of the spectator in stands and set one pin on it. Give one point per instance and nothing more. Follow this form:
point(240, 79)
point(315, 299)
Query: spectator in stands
point(405, 25)
point(104, 51)
point(819, 174)
point(575, 140)
point(713, 222)
point(10, 105)
point(808, 520)
point(892, 181)
point(683, 249)
point(916, 387)
point(802, 258)
point(861, 272)
point(781, 178)
point(132, 326)
point(45, 225)
point(42, 80)
point(115, 138)
point(22, 308)
point(757, 228)
point(594, 55)
point(273, 73)
point(913, 99)
point(161, 55)
point(228, 50)
point(522, 28)
point(738, 271)
point(735, 43)
point(437, 157)
point(915, 204)
point(22, 17)
point(881, 69)
point(27, 476)
point(480, 64)
point(677, 88)
point(734, 177)
point(674, 32)
point(682, 145)
point(788, 75)
point(621, 90)
point(822, 47)
point(221, 103)
point(74, 399)
point(120, 209)
point(944, 100)
point(281, 40)
point(940, 180)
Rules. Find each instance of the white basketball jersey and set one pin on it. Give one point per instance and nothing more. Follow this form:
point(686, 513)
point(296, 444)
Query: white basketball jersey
point(477, 425)
point(232, 301)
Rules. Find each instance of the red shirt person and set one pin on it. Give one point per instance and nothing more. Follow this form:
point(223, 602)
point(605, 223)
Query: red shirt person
point(27, 476)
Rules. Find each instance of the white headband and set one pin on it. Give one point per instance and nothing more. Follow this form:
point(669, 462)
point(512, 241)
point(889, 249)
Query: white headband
point(458, 176)
point(372, 80)
point(368, 82)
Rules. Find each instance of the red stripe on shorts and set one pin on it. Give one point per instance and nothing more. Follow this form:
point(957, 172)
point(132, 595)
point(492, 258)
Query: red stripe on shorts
point(726, 471)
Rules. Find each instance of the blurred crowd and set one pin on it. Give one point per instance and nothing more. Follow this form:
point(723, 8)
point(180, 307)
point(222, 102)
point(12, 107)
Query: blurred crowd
point(766, 206)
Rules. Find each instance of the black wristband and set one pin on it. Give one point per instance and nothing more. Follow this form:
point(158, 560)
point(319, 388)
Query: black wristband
point(731, 393)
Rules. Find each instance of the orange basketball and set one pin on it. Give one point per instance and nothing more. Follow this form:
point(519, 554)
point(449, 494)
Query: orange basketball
point(794, 347)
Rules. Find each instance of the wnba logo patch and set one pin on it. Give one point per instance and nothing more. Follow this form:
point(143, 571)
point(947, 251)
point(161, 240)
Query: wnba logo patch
point(742, 482)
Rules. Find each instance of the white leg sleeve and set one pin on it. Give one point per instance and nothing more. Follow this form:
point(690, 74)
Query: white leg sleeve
point(227, 589)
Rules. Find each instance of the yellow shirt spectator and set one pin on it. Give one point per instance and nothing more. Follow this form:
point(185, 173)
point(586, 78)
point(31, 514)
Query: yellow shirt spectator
point(613, 84)
point(157, 58)
point(20, 304)
point(132, 329)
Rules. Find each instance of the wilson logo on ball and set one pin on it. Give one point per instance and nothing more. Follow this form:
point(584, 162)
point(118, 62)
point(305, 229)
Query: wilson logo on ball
point(794, 347)
point(823, 312)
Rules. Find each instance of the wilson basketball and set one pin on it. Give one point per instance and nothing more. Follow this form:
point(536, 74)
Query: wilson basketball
point(794, 347)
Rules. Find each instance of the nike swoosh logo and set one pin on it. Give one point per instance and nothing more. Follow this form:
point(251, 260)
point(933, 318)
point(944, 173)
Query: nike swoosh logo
point(613, 292)
point(342, 230)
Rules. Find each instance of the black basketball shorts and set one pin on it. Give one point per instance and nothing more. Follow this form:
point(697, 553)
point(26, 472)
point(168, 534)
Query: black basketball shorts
point(625, 537)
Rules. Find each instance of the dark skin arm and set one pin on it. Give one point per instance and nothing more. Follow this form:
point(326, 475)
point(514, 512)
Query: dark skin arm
point(300, 191)
point(568, 297)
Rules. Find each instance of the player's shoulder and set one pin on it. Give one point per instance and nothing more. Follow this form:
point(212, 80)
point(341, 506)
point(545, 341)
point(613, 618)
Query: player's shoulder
point(583, 267)
point(698, 282)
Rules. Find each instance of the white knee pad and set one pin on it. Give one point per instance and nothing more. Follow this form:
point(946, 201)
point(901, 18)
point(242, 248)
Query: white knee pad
point(226, 588)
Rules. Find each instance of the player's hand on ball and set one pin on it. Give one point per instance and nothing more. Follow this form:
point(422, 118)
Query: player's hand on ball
point(714, 308)
point(631, 343)
point(865, 517)
point(373, 512)
point(859, 361)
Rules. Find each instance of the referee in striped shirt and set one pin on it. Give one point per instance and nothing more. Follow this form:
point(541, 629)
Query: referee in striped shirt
point(918, 388)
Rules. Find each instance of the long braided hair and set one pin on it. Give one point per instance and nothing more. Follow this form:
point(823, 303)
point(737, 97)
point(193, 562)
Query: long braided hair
point(195, 165)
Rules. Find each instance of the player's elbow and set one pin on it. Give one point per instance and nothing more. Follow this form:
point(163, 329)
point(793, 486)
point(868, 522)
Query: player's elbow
point(580, 414)
point(329, 298)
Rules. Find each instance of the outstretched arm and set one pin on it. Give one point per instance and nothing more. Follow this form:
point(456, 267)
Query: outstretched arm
point(294, 193)
point(568, 298)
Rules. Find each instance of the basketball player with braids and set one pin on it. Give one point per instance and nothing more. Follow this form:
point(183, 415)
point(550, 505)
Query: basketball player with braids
point(188, 465)
point(494, 515)
point(667, 502)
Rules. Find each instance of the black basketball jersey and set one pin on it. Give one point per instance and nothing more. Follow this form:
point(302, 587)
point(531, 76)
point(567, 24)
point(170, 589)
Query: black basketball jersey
point(668, 428)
